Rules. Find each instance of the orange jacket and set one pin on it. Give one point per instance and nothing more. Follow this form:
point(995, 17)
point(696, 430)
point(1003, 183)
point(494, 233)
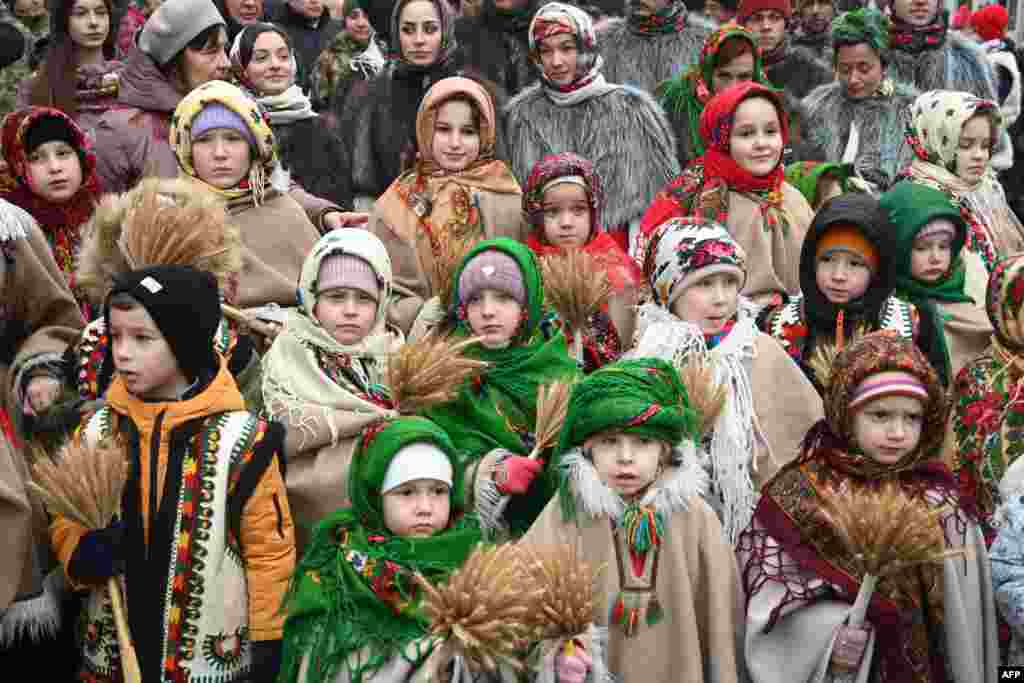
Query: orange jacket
point(267, 532)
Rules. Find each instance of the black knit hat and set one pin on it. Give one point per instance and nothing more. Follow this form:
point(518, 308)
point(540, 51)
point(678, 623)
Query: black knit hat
point(185, 305)
point(48, 129)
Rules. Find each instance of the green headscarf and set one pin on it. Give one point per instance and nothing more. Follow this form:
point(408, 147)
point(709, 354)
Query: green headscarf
point(353, 590)
point(911, 206)
point(688, 92)
point(866, 25)
point(805, 176)
point(499, 410)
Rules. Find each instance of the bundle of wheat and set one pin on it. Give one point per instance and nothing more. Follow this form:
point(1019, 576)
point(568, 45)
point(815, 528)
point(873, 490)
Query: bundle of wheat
point(552, 403)
point(568, 582)
point(429, 371)
point(704, 394)
point(85, 483)
point(576, 285)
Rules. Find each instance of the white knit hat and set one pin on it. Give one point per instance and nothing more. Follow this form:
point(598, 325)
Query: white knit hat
point(418, 460)
point(173, 25)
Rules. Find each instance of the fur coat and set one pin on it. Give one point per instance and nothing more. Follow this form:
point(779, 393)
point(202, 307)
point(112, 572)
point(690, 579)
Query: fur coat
point(959, 65)
point(881, 123)
point(799, 72)
point(623, 132)
point(498, 47)
point(646, 61)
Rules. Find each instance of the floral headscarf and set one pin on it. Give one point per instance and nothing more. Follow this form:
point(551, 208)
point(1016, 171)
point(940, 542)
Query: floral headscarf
point(685, 246)
point(1004, 300)
point(936, 120)
point(865, 25)
point(61, 223)
point(556, 18)
point(559, 166)
point(265, 161)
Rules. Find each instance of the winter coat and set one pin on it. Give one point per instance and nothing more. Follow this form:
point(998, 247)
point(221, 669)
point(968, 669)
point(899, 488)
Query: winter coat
point(958, 65)
point(336, 70)
point(317, 160)
point(307, 41)
point(799, 71)
point(645, 61)
point(498, 47)
point(96, 93)
point(818, 44)
point(132, 138)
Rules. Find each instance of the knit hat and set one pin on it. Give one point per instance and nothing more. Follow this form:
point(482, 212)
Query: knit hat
point(847, 237)
point(49, 129)
point(937, 227)
point(990, 22)
point(216, 115)
point(492, 269)
point(961, 18)
point(345, 270)
point(806, 176)
point(173, 25)
point(889, 383)
point(748, 7)
point(687, 250)
point(417, 461)
point(643, 396)
point(185, 305)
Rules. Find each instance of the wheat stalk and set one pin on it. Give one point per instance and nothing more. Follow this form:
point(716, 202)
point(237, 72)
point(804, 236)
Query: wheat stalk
point(85, 484)
point(704, 393)
point(576, 285)
point(485, 608)
point(552, 404)
point(429, 371)
point(824, 357)
point(569, 585)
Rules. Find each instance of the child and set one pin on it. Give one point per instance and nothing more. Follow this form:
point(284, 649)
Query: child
point(323, 375)
point(458, 191)
point(987, 411)
point(885, 421)
point(354, 614)
point(819, 181)
point(52, 161)
point(696, 272)
point(846, 282)
point(223, 144)
point(205, 522)
point(928, 263)
point(563, 202)
point(738, 182)
point(499, 298)
point(630, 500)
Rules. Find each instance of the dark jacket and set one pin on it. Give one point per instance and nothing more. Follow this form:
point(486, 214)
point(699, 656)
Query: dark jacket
point(316, 159)
point(498, 46)
point(308, 40)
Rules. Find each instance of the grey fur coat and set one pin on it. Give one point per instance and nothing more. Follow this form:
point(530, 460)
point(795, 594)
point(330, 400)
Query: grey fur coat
point(799, 72)
point(960, 65)
point(646, 61)
point(623, 133)
point(881, 122)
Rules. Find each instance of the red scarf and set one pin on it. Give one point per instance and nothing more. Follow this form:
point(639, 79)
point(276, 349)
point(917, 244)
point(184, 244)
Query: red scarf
point(622, 270)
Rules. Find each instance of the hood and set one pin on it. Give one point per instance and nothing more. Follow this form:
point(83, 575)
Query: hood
point(144, 86)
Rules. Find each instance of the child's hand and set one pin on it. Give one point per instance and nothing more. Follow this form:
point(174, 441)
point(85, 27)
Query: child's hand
point(573, 668)
point(515, 474)
point(851, 641)
point(40, 394)
point(336, 220)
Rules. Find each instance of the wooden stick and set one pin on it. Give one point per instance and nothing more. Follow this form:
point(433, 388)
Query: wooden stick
point(129, 660)
point(258, 326)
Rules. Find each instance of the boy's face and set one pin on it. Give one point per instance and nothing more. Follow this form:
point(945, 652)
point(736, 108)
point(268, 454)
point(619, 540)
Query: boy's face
point(930, 257)
point(418, 508)
point(709, 302)
point(494, 315)
point(54, 171)
point(627, 463)
point(566, 216)
point(347, 314)
point(889, 428)
point(842, 276)
point(769, 26)
point(142, 357)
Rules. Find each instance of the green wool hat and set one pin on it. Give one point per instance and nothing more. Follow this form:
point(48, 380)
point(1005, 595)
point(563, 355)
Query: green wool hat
point(377, 447)
point(866, 25)
point(643, 396)
point(805, 176)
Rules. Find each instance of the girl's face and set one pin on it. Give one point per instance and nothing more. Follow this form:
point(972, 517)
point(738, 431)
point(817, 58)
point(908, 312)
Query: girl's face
point(975, 148)
point(89, 24)
point(357, 24)
point(842, 276)
point(756, 140)
point(54, 171)
point(495, 316)
point(627, 463)
point(418, 508)
point(270, 69)
point(347, 314)
point(221, 157)
point(566, 216)
point(419, 32)
point(709, 302)
point(456, 142)
point(245, 11)
point(739, 70)
point(859, 70)
point(558, 58)
point(889, 428)
point(930, 257)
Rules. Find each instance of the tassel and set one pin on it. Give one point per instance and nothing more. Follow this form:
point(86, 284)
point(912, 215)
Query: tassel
point(840, 331)
point(644, 528)
point(655, 613)
point(618, 609)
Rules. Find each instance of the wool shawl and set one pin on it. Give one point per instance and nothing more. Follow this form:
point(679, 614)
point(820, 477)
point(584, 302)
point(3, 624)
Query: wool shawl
point(791, 545)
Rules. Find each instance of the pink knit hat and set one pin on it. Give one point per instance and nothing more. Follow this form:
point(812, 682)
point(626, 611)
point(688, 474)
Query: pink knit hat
point(345, 270)
point(492, 269)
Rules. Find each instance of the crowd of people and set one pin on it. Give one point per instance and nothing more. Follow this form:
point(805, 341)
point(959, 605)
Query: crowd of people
point(692, 291)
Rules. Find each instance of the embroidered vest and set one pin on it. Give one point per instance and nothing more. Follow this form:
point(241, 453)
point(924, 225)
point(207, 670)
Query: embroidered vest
point(204, 619)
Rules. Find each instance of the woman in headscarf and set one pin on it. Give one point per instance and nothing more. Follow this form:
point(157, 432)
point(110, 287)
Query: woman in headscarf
point(739, 182)
point(379, 120)
point(988, 415)
point(573, 109)
point(861, 117)
point(78, 75)
point(952, 135)
point(354, 55)
point(885, 422)
point(224, 145)
point(457, 192)
point(264, 64)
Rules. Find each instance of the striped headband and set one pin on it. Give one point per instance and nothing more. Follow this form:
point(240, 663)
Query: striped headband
point(890, 383)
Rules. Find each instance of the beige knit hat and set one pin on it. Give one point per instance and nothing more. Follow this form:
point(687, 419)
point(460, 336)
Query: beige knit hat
point(173, 25)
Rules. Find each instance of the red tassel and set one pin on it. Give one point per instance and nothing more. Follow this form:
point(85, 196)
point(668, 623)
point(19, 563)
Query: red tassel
point(840, 331)
point(618, 610)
